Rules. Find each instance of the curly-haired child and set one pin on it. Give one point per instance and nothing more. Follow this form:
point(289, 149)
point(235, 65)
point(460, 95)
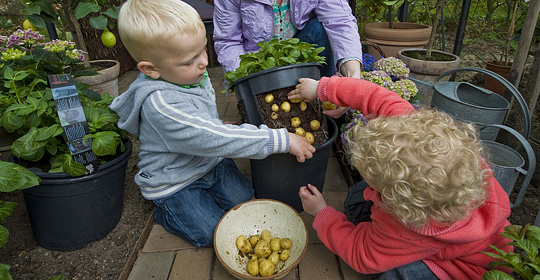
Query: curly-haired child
point(435, 205)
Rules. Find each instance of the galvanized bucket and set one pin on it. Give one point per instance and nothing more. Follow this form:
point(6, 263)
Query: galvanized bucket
point(507, 163)
point(471, 103)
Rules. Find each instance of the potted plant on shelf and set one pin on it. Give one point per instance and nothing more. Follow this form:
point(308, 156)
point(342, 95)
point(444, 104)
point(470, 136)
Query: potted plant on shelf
point(427, 64)
point(393, 36)
point(261, 84)
point(100, 15)
point(390, 73)
point(67, 209)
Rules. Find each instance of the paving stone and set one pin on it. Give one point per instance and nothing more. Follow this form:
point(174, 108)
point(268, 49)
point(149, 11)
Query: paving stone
point(220, 273)
point(334, 180)
point(160, 240)
point(335, 199)
point(192, 264)
point(312, 234)
point(319, 263)
point(154, 266)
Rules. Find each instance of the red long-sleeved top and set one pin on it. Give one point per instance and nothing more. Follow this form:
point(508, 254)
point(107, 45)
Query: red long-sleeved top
point(452, 252)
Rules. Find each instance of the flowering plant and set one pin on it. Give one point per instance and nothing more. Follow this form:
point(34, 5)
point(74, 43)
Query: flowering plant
point(389, 72)
point(27, 107)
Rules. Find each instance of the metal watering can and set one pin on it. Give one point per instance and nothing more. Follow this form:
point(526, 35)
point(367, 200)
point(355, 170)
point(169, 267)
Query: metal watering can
point(507, 163)
point(471, 103)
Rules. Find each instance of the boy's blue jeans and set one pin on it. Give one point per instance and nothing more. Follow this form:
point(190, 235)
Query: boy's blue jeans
point(193, 212)
point(314, 33)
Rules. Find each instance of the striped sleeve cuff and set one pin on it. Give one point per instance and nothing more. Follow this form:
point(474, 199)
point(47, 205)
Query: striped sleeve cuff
point(279, 141)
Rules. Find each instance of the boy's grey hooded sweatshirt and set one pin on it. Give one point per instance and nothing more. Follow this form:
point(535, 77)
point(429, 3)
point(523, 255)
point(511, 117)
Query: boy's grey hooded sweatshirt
point(181, 135)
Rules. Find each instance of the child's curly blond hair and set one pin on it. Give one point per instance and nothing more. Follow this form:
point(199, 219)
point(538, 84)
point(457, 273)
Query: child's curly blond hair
point(425, 165)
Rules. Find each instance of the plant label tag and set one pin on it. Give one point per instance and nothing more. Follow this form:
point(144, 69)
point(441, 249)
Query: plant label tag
point(73, 120)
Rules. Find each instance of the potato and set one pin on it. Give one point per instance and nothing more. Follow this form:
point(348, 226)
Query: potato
point(284, 255)
point(303, 106)
point(262, 249)
point(314, 125)
point(275, 107)
point(295, 122)
point(269, 98)
point(274, 244)
point(286, 106)
point(243, 244)
point(300, 131)
point(309, 136)
point(274, 115)
point(329, 106)
point(253, 240)
point(286, 243)
point(253, 266)
point(274, 257)
point(265, 234)
point(266, 268)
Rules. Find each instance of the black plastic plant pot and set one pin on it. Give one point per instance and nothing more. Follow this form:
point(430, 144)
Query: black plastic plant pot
point(280, 176)
point(248, 87)
point(66, 213)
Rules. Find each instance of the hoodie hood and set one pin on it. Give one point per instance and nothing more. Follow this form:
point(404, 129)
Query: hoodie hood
point(128, 105)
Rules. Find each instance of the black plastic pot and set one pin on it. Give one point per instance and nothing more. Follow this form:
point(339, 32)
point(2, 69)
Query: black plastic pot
point(248, 87)
point(280, 176)
point(67, 213)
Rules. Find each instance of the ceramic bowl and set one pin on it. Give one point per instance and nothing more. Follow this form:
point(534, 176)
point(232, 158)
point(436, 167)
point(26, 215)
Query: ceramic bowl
point(251, 218)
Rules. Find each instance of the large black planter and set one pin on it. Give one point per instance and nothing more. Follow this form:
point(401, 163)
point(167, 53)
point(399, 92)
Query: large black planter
point(66, 213)
point(248, 87)
point(280, 176)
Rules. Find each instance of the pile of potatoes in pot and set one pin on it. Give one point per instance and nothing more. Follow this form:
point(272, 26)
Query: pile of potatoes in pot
point(266, 252)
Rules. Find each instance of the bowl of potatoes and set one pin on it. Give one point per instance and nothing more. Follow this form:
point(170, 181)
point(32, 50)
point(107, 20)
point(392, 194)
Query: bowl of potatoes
point(260, 239)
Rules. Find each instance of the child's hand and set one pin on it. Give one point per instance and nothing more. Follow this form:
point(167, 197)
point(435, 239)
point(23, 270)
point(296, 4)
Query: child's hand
point(300, 147)
point(312, 199)
point(306, 89)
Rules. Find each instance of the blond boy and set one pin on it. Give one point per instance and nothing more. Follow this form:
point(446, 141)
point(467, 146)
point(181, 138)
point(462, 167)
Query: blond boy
point(185, 165)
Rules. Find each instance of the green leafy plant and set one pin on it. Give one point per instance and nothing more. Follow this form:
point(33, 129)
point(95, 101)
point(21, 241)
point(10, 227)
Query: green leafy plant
point(28, 109)
point(273, 54)
point(525, 262)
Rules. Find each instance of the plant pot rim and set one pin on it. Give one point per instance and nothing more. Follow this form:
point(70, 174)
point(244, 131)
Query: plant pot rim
point(275, 69)
point(99, 172)
point(399, 25)
point(497, 64)
point(455, 57)
point(103, 74)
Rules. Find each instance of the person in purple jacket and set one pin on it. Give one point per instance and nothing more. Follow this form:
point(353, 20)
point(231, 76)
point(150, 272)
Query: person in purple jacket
point(240, 24)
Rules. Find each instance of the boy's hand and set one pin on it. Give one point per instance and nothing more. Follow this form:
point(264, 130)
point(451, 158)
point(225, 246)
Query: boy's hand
point(312, 200)
point(300, 147)
point(306, 89)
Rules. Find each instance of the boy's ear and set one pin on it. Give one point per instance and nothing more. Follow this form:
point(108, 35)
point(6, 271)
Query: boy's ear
point(148, 68)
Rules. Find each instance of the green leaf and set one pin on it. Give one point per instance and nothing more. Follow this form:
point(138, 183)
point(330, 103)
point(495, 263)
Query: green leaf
point(4, 272)
point(37, 20)
point(512, 232)
point(496, 275)
point(113, 12)
point(269, 63)
point(48, 132)
point(85, 8)
point(99, 22)
point(72, 167)
point(47, 8)
point(26, 147)
point(4, 236)
point(8, 73)
point(11, 121)
point(15, 177)
point(104, 142)
point(6, 208)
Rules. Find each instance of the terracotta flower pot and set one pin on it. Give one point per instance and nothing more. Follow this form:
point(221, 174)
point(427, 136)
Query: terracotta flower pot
point(106, 80)
point(404, 35)
point(491, 83)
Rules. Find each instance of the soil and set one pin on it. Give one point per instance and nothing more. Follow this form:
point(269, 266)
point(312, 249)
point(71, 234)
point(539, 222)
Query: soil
point(105, 259)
